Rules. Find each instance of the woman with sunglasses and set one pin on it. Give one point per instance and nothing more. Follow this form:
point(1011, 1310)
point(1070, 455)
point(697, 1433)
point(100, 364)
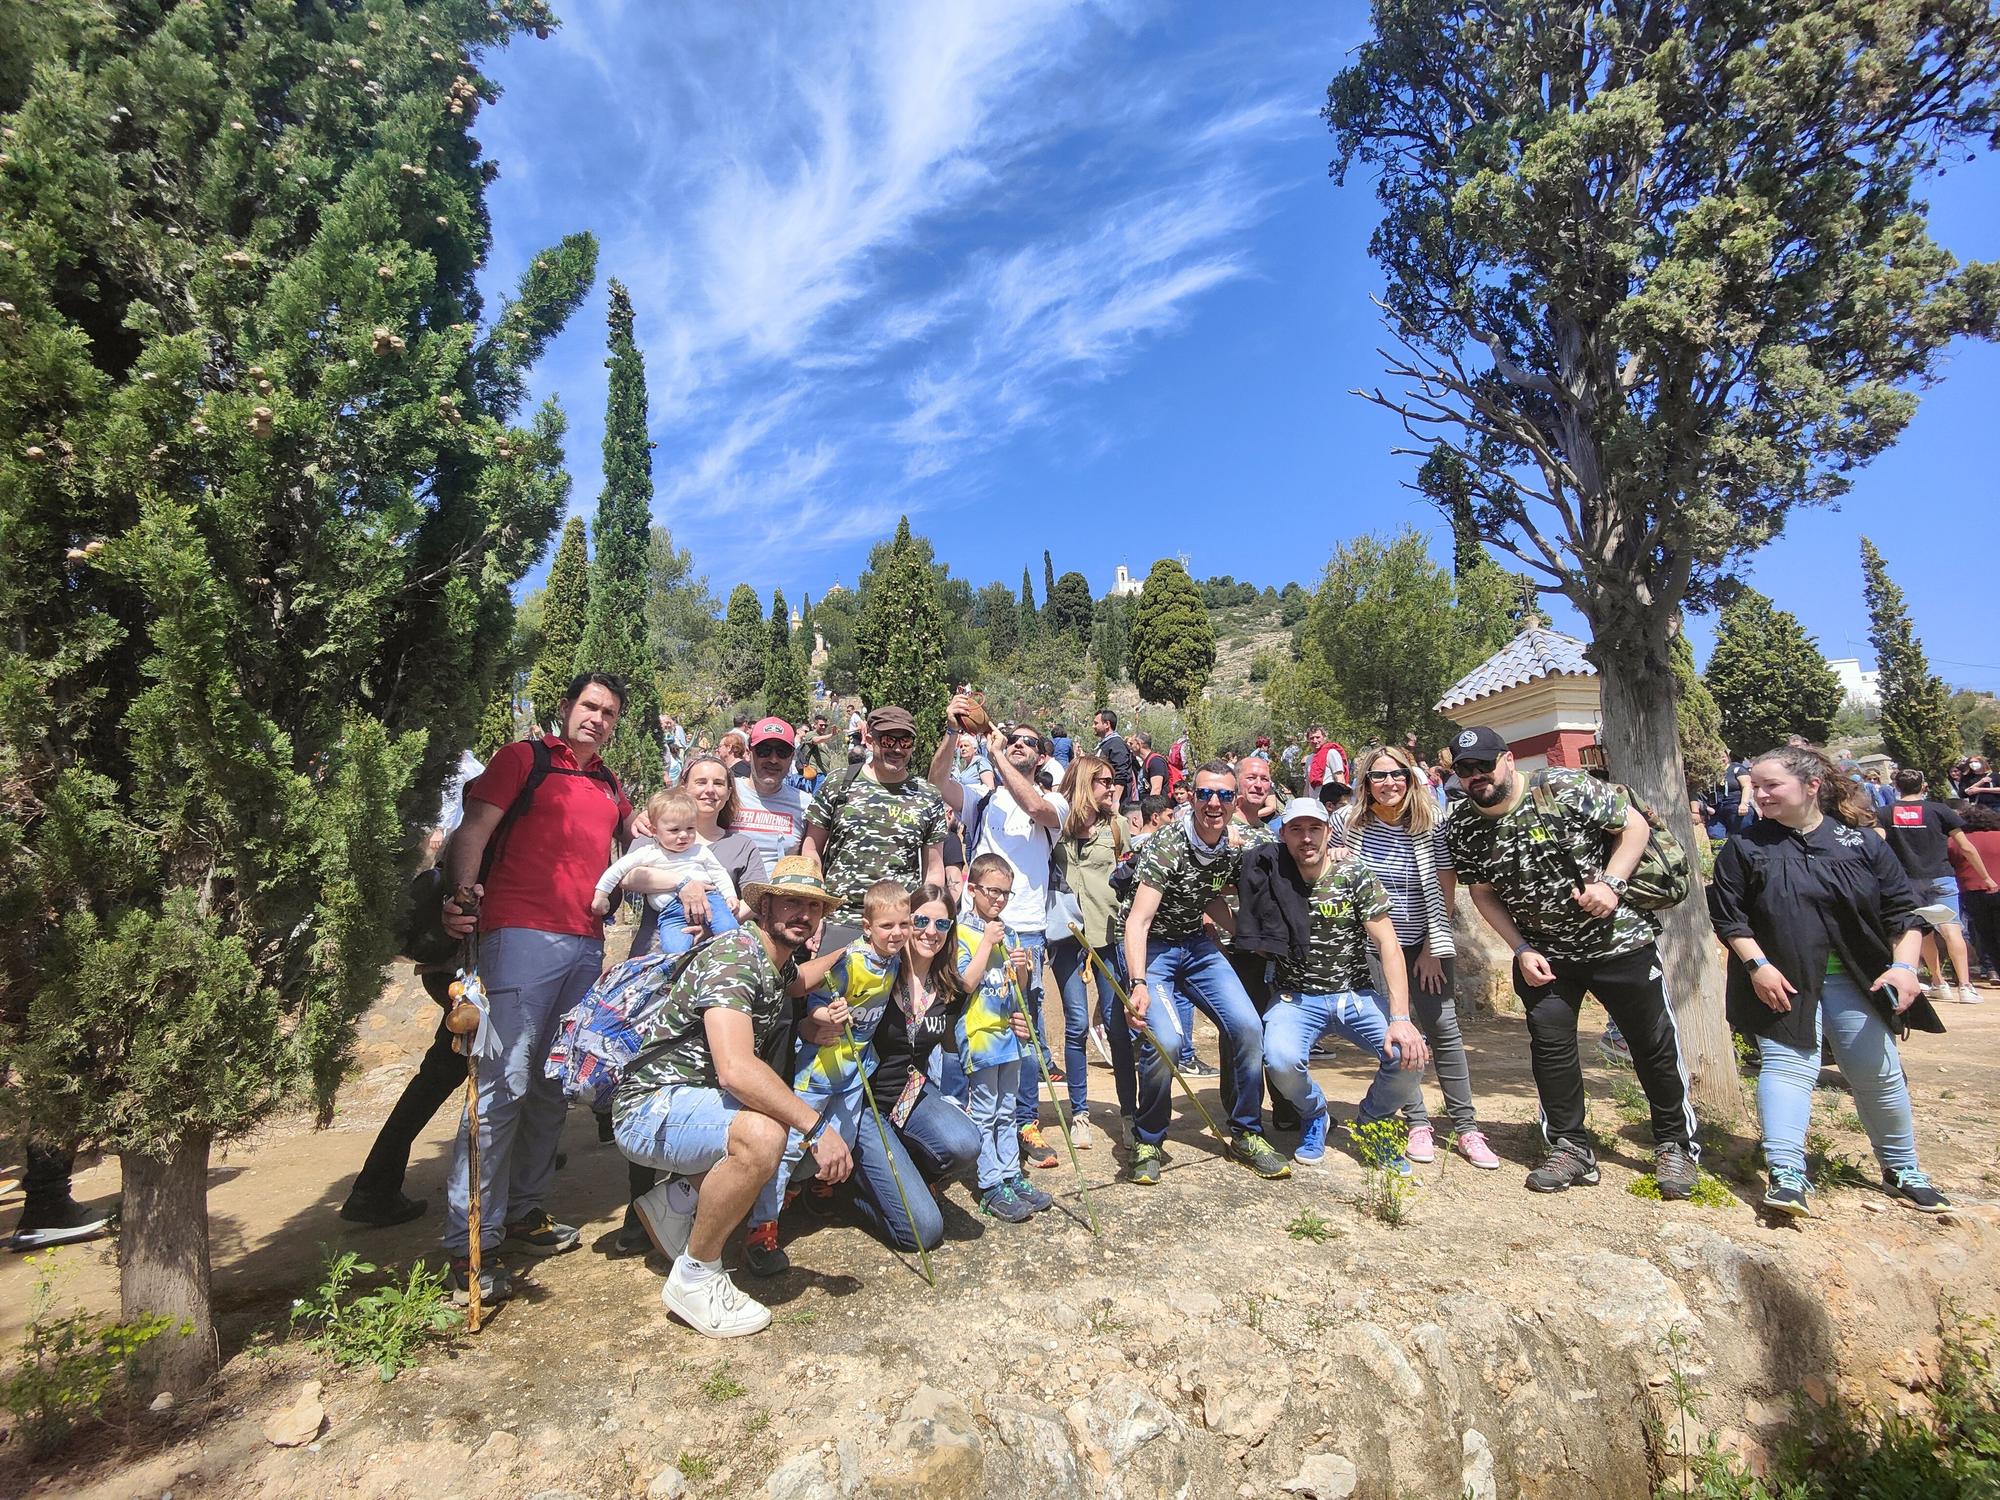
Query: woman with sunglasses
point(1091, 844)
point(1397, 829)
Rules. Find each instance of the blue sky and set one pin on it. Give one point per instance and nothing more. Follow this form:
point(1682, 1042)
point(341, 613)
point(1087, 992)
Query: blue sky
point(1054, 275)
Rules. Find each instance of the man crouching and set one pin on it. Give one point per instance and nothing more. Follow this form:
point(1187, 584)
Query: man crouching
point(702, 1104)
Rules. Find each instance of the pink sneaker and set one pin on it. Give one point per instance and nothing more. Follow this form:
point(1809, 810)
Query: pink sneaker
point(1472, 1146)
point(1423, 1144)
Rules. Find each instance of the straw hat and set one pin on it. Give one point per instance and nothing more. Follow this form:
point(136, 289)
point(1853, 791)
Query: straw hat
point(794, 875)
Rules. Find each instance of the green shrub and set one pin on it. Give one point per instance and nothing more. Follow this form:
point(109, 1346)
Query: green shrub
point(1709, 1190)
point(384, 1328)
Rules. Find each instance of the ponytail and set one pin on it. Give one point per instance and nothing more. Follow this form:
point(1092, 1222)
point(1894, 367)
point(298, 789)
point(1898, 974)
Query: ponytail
point(1840, 799)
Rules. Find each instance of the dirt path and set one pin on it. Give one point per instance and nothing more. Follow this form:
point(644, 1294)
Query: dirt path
point(584, 1384)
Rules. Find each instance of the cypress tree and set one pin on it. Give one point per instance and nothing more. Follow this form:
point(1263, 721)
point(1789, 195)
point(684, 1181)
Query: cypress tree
point(565, 607)
point(784, 679)
point(802, 643)
point(1173, 641)
point(263, 507)
point(614, 638)
point(1768, 678)
point(743, 644)
point(1917, 724)
point(1068, 610)
point(1031, 625)
point(901, 638)
point(1703, 752)
point(1048, 576)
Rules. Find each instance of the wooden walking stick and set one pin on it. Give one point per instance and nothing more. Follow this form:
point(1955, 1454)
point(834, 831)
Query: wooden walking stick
point(1152, 1041)
point(468, 996)
point(889, 1155)
point(1062, 1111)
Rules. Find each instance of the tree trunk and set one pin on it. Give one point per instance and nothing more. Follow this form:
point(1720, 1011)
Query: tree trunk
point(1642, 746)
point(163, 1266)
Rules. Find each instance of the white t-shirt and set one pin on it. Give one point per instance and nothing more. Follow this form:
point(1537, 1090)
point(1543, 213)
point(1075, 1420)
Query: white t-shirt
point(1026, 845)
point(775, 824)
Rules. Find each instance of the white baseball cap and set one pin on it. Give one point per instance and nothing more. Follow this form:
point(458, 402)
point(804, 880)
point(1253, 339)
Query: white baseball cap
point(1304, 807)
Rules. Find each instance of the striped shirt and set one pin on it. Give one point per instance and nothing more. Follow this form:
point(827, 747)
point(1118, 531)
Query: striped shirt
point(1386, 849)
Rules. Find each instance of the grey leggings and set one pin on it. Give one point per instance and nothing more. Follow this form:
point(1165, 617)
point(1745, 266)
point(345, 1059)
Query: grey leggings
point(1437, 1018)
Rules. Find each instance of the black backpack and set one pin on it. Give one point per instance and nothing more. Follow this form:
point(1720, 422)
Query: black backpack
point(423, 939)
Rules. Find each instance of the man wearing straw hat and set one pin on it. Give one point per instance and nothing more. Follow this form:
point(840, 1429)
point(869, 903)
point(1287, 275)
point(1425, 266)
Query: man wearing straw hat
point(702, 1103)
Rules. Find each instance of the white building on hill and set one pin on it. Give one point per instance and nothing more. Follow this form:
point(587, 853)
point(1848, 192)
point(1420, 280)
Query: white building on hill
point(1864, 687)
point(1123, 584)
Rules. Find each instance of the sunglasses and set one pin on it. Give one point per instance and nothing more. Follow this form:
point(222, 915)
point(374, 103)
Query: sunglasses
point(1466, 767)
point(1388, 775)
point(895, 742)
point(930, 924)
point(774, 747)
point(1032, 742)
point(1104, 781)
point(1214, 794)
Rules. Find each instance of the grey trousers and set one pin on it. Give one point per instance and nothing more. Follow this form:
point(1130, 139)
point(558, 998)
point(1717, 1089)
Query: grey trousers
point(531, 979)
point(1437, 1018)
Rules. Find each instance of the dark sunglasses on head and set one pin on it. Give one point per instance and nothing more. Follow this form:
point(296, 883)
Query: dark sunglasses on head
point(1214, 794)
point(927, 924)
point(1466, 767)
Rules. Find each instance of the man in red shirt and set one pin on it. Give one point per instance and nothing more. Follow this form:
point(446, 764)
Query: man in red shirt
point(535, 870)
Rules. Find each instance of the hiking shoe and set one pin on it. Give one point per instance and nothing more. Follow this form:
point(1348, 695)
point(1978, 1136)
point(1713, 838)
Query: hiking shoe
point(1565, 1168)
point(666, 1226)
point(1196, 1068)
point(64, 1222)
point(820, 1201)
point(1260, 1156)
point(1000, 1203)
point(1673, 1169)
point(1028, 1193)
point(714, 1305)
point(1915, 1189)
point(1312, 1139)
point(1613, 1048)
point(1422, 1145)
point(1081, 1135)
point(539, 1234)
point(495, 1285)
point(1787, 1194)
point(761, 1255)
point(1146, 1164)
point(1473, 1147)
point(1035, 1151)
point(1967, 995)
point(379, 1210)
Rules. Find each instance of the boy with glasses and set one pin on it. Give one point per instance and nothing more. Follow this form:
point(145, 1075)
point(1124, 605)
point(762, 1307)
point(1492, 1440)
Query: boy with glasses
point(989, 1041)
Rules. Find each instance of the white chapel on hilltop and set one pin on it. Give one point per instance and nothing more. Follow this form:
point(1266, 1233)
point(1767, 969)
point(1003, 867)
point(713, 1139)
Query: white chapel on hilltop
point(1124, 584)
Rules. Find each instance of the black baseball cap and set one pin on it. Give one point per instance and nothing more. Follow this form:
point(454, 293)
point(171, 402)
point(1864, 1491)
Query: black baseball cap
point(1479, 743)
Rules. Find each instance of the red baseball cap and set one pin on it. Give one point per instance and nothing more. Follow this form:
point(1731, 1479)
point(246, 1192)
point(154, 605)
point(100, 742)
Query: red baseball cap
point(765, 730)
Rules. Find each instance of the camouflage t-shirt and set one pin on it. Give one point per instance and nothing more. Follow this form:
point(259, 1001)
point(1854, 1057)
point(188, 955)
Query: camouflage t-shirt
point(875, 832)
point(1533, 864)
point(1345, 898)
point(733, 971)
point(1186, 887)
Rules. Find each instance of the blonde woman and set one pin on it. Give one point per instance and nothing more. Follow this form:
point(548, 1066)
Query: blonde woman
point(1396, 827)
point(1088, 848)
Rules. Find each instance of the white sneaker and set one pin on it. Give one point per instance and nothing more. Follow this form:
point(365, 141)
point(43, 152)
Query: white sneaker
point(715, 1307)
point(1080, 1134)
point(665, 1226)
point(1967, 995)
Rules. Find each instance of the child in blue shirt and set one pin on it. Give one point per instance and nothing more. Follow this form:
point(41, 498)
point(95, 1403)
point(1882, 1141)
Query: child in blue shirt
point(989, 1040)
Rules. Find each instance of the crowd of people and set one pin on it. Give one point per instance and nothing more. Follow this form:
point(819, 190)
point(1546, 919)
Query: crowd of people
point(839, 963)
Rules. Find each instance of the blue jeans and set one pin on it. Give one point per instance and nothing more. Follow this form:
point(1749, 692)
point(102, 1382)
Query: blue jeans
point(531, 978)
point(1196, 967)
point(1067, 958)
point(670, 924)
point(683, 1129)
point(1292, 1026)
point(992, 1092)
point(1866, 1052)
point(936, 1140)
point(1028, 1098)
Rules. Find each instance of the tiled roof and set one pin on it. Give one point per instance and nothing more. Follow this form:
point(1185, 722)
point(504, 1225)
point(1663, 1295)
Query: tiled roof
point(1535, 653)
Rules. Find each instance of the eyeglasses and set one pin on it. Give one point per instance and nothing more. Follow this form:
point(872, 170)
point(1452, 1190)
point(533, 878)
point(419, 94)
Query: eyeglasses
point(1388, 775)
point(930, 924)
point(895, 742)
point(1214, 794)
point(1104, 781)
point(773, 747)
point(1466, 767)
point(997, 892)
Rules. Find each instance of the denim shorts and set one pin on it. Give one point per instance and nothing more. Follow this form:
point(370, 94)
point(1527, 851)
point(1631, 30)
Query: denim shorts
point(683, 1129)
point(1940, 892)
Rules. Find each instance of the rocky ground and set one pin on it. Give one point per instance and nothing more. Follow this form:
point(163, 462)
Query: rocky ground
point(1499, 1344)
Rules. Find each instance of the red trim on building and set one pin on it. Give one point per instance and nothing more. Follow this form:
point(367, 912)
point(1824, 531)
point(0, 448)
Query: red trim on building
point(1558, 746)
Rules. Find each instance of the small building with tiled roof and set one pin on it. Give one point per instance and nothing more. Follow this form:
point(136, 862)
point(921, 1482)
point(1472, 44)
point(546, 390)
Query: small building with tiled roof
point(1539, 691)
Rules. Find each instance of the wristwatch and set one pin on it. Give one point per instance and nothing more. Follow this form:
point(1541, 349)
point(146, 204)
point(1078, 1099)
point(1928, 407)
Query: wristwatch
point(1616, 882)
point(1759, 962)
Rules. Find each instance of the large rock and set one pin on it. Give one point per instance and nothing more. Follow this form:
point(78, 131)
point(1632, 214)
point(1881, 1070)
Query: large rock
point(934, 1450)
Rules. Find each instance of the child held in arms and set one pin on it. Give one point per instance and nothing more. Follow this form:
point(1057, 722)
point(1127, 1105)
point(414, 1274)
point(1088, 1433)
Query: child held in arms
point(990, 1039)
point(675, 851)
point(849, 987)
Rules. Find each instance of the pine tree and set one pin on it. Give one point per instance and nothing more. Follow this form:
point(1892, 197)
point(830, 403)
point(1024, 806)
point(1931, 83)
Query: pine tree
point(263, 507)
point(1173, 640)
point(1068, 611)
point(743, 644)
point(1031, 625)
point(900, 638)
point(565, 607)
point(1917, 725)
point(1767, 677)
point(614, 638)
point(784, 679)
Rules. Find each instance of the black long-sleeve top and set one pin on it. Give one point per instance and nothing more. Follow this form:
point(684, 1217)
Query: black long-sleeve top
point(1802, 896)
point(899, 1047)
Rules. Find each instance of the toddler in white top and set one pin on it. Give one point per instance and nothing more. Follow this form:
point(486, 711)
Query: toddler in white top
point(677, 854)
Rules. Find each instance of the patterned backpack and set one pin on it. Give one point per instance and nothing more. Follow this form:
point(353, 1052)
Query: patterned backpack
point(1662, 878)
point(601, 1034)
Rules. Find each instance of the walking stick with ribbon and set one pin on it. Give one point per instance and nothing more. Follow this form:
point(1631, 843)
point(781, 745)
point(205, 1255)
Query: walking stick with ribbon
point(889, 1155)
point(1062, 1111)
point(1151, 1040)
point(467, 1019)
